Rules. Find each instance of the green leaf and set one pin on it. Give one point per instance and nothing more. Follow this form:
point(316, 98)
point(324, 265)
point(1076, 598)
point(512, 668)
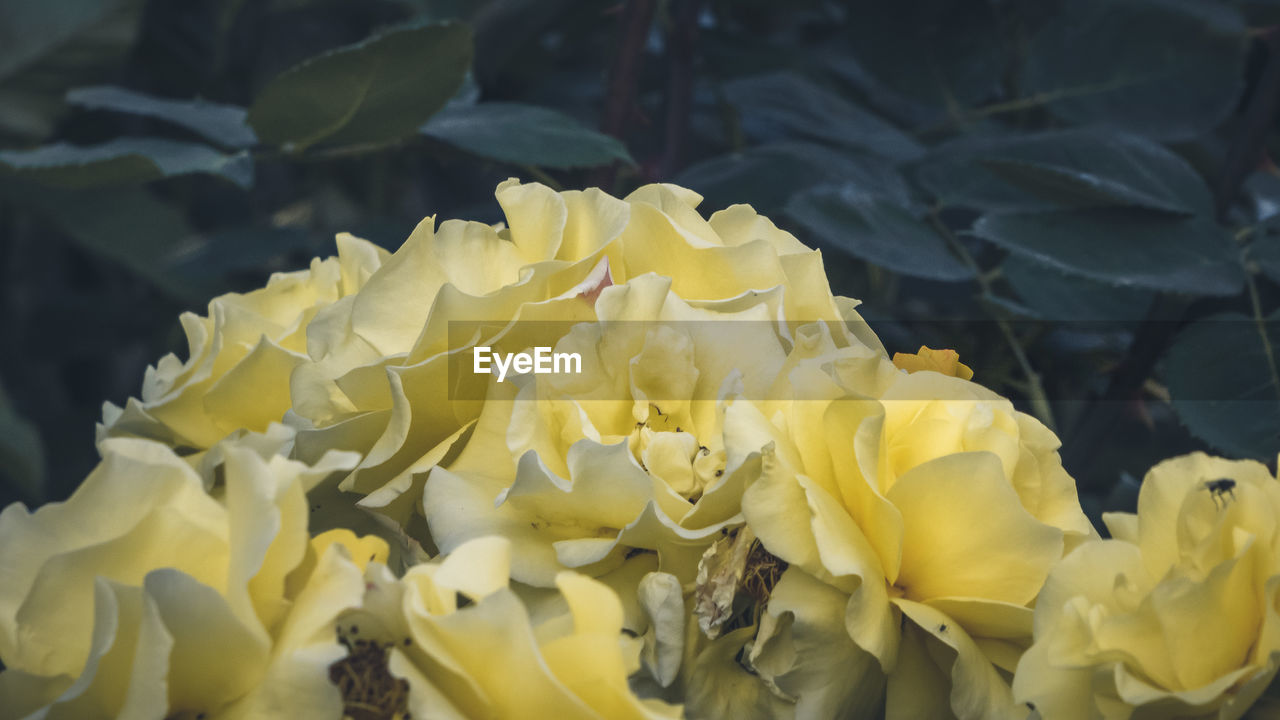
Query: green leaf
point(941, 52)
point(1123, 246)
point(21, 454)
point(48, 47)
point(223, 124)
point(797, 104)
point(766, 176)
point(125, 225)
point(376, 91)
point(29, 30)
point(1056, 295)
point(1170, 69)
point(1064, 169)
point(124, 161)
point(876, 230)
point(524, 135)
point(1222, 376)
point(208, 262)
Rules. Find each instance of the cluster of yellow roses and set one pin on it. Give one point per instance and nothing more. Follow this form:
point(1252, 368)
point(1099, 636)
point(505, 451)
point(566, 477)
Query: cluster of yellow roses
point(740, 507)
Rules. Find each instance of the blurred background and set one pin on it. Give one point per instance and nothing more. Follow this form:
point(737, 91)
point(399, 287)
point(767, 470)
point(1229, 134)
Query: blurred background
point(1077, 196)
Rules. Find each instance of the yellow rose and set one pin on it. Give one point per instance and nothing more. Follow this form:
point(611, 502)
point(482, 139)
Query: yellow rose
point(1176, 616)
point(143, 595)
point(415, 651)
point(585, 470)
point(378, 376)
point(241, 356)
point(937, 510)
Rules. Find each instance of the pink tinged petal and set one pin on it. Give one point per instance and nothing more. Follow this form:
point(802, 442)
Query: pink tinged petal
point(594, 283)
point(967, 535)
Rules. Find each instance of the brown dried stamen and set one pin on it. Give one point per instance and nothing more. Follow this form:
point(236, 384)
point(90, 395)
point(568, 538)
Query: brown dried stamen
point(369, 690)
point(761, 574)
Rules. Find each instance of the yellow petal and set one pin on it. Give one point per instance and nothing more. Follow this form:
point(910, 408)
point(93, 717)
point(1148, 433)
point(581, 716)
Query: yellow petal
point(946, 362)
point(965, 534)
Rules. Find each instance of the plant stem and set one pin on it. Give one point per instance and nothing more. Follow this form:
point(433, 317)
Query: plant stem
point(1035, 389)
point(1261, 321)
point(624, 79)
point(682, 51)
point(541, 176)
point(1248, 145)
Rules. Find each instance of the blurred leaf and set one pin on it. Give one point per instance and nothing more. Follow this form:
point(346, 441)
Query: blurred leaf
point(1171, 69)
point(799, 105)
point(765, 176)
point(376, 91)
point(943, 52)
point(223, 124)
point(1056, 295)
point(47, 47)
point(21, 454)
point(1071, 168)
point(125, 225)
point(124, 161)
point(876, 230)
point(1222, 376)
point(524, 135)
point(1123, 246)
point(209, 262)
point(31, 29)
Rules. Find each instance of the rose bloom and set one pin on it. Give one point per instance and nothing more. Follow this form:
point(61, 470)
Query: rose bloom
point(452, 640)
point(145, 596)
point(936, 511)
point(631, 455)
point(1176, 615)
point(240, 356)
point(378, 378)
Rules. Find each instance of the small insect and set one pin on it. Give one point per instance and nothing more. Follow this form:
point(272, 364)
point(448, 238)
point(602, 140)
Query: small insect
point(1221, 489)
point(942, 628)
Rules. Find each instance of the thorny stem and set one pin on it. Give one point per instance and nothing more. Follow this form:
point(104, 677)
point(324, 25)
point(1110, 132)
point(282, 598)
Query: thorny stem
point(1035, 389)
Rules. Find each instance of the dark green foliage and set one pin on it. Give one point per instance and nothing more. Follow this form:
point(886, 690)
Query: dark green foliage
point(1230, 392)
point(1058, 174)
point(374, 92)
point(876, 229)
point(525, 135)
